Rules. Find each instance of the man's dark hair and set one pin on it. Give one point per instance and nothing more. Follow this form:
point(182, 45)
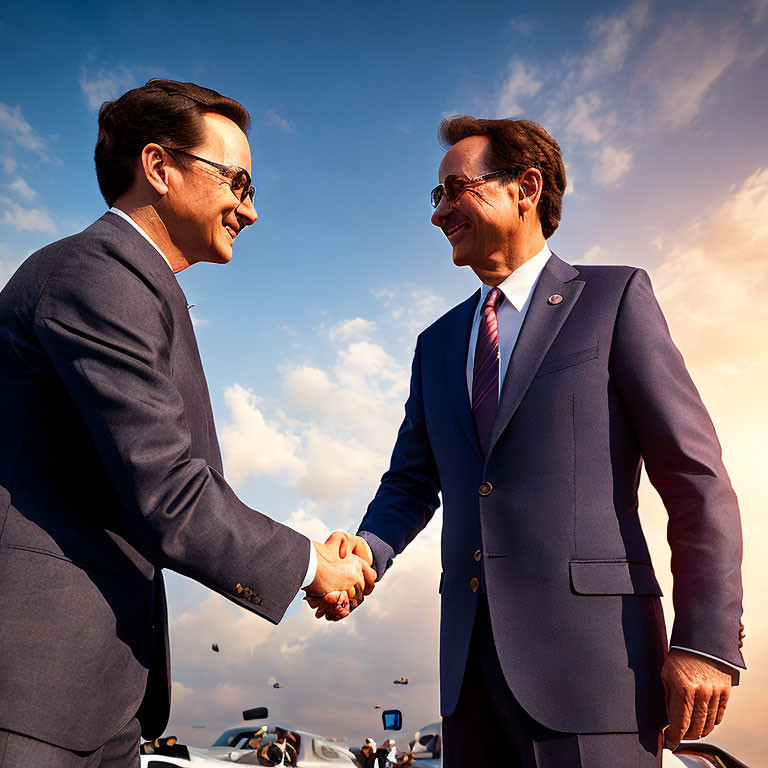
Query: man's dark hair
point(517, 143)
point(161, 112)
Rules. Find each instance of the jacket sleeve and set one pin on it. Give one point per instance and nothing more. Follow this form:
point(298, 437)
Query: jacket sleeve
point(408, 494)
point(684, 463)
point(108, 335)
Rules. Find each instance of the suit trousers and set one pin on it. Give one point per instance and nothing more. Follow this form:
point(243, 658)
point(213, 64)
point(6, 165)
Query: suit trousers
point(490, 728)
point(121, 751)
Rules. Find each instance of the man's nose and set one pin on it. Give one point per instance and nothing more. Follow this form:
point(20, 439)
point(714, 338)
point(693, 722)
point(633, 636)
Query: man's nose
point(246, 212)
point(440, 214)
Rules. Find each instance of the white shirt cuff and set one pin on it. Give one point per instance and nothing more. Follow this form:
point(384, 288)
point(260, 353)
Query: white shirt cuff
point(701, 653)
point(311, 566)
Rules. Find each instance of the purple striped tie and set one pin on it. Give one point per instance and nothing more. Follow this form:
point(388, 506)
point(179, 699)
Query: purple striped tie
point(485, 377)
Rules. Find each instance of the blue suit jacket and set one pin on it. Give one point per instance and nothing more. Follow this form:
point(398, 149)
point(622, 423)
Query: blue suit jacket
point(594, 387)
point(109, 471)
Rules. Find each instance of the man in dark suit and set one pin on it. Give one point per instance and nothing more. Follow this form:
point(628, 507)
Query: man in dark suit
point(109, 464)
point(533, 405)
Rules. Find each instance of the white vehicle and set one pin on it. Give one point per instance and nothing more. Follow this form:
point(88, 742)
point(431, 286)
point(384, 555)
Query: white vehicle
point(312, 750)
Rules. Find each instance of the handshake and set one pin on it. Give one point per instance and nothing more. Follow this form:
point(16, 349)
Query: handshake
point(343, 578)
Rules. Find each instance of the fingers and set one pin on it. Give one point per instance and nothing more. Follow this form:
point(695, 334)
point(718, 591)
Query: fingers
point(699, 715)
point(697, 692)
point(679, 710)
point(370, 576)
point(742, 635)
point(343, 578)
point(712, 710)
point(721, 705)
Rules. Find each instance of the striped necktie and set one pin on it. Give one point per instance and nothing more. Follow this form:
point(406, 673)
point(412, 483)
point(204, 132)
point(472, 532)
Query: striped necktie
point(485, 377)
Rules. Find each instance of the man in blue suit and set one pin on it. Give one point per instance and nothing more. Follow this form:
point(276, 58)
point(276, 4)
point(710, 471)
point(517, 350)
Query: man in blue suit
point(533, 405)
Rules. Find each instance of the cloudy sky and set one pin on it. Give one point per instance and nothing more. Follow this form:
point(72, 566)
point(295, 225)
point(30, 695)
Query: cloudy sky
point(306, 336)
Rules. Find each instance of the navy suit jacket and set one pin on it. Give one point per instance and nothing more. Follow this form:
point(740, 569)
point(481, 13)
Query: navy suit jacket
point(595, 386)
point(110, 471)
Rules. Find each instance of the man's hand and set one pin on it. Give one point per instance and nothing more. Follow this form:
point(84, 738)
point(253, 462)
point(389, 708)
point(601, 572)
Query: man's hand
point(337, 604)
point(697, 692)
point(344, 576)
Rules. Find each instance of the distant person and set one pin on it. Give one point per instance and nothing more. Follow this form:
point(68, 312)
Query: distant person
point(386, 755)
point(533, 407)
point(366, 755)
point(110, 467)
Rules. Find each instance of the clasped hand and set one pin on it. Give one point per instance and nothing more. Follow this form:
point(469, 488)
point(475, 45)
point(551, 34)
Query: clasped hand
point(344, 576)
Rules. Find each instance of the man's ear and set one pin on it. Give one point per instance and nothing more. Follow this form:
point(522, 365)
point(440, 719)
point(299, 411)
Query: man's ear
point(529, 190)
point(154, 165)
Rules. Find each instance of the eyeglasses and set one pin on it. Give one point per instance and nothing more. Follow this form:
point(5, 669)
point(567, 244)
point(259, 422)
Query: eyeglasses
point(239, 178)
point(455, 185)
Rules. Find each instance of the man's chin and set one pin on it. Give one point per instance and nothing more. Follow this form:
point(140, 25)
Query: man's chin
point(460, 257)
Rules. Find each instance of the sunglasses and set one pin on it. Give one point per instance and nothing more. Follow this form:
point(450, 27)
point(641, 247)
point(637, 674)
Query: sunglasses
point(455, 185)
point(239, 178)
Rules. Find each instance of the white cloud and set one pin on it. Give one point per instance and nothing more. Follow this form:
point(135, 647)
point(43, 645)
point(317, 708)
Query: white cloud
point(279, 121)
point(356, 328)
point(587, 119)
point(332, 434)
point(715, 276)
point(521, 25)
point(632, 76)
point(9, 164)
point(610, 38)
point(335, 467)
point(760, 9)
point(26, 219)
point(199, 322)
point(521, 82)
point(253, 444)
point(611, 164)
point(13, 125)
point(305, 521)
point(595, 255)
point(109, 82)
point(411, 308)
point(22, 189)
point(678, 70)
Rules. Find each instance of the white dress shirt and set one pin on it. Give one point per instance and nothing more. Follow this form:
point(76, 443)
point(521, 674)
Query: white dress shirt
point(309, 577)
point(518, 289)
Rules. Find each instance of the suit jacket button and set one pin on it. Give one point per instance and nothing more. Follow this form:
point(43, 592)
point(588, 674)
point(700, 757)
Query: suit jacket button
point(474, 583)
point(485, 488)
point(478, 556)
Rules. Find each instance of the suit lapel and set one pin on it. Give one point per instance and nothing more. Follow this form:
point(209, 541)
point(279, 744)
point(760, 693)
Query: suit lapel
point(543, 322)
point(457, 332)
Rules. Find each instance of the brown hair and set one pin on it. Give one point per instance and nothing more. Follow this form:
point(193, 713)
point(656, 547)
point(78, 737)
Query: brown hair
point(161, 112)
point(517, 143)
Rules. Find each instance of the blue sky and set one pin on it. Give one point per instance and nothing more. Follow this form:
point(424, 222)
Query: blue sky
point(306, 335)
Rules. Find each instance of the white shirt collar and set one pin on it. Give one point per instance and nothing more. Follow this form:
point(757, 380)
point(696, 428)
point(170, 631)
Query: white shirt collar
point(518, 286)
point(124, 215)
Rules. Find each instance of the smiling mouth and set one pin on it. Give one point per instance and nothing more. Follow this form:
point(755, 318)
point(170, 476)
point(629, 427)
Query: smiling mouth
point(453, 230)
point(231, 232)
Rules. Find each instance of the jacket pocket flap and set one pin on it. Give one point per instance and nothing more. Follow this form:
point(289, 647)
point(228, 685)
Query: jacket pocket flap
point(613, 577)
point(567, 361)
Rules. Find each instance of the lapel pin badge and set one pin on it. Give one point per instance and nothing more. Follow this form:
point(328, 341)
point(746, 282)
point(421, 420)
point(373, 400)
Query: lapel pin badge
point(555, 298)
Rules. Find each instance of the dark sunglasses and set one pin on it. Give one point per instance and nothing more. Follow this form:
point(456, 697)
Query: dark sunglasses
point(239, 178)
point(455, 185)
